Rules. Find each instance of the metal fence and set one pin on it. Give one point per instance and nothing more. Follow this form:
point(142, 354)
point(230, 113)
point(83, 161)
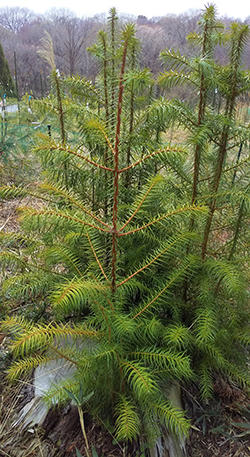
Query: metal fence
point(17, 163)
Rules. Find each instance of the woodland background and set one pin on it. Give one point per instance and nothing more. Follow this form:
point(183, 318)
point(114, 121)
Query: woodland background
point(21, 31)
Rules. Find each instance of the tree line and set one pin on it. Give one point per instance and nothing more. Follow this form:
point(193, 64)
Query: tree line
point(21, 31)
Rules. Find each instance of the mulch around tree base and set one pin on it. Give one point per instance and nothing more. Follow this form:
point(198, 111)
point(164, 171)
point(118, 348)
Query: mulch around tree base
point(216, 446)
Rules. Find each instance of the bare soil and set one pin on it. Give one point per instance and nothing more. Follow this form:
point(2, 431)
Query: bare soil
point(9, 212)
point(221, 427)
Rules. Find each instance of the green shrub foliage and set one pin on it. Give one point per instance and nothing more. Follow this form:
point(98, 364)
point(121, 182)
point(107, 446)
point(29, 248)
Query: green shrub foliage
point(141, 246)
point(6, 82)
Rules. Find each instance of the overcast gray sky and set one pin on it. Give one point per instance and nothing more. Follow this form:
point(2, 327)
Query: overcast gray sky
point(236, 9)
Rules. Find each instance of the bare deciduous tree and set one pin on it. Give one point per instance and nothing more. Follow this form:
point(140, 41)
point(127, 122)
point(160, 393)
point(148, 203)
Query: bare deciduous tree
point(14, 18)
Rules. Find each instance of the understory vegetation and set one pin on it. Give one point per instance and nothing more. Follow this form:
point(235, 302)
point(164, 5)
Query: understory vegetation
point(139, 247)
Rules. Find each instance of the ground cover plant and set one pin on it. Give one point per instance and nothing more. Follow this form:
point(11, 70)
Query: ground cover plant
point(141, 247)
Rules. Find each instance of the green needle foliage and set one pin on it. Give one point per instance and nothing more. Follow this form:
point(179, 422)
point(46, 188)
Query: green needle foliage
point(220, 167)
point(6, 81)
point(139, 246)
